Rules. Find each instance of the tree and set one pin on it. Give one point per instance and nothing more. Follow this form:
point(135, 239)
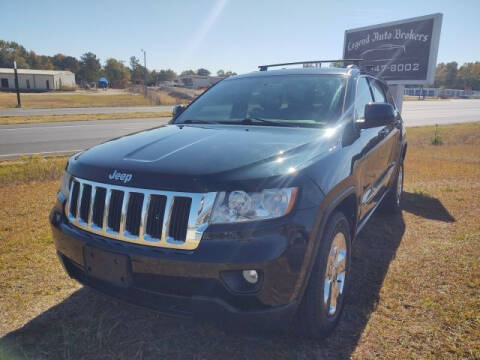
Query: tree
point(187, 72)
point(63, 62)
point(44, 63)
point(446, 75)
point(469, 76)
point(116, 73)
point(89, 67)
point(137, 71)
point(220, 73)
point(10, 51)
point(165, 75)
point(230, 73)
point(203, 72)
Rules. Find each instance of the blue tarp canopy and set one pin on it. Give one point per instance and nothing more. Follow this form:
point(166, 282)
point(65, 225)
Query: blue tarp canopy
point(102, 82)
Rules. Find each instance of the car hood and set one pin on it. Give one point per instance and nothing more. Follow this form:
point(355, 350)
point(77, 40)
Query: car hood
point(204, 157)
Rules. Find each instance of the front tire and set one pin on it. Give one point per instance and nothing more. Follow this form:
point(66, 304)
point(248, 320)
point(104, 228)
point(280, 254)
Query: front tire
point(324, 297)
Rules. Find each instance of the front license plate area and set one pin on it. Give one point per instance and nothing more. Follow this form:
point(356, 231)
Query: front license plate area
point(107, 266)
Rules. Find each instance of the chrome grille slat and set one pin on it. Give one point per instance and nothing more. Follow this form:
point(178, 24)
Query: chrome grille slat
point(79, 203)
point(69, 201)
point(166, 215)
point(123, 215)
point(143, 216)
point(195, 220)
point(105, 210)
point(92, 200)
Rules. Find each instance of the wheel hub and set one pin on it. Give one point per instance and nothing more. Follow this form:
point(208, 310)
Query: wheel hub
point(335, 273)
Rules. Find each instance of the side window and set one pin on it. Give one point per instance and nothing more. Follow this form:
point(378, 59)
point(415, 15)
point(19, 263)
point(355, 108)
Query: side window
point(390, 98)
point(378, 92)
point(363, 96)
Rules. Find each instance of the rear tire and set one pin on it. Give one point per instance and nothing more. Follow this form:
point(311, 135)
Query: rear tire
point(392, 203)
point(324, 298)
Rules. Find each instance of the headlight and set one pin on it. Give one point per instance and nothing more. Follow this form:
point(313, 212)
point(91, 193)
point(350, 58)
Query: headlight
point(238, 206)
point(65, 184)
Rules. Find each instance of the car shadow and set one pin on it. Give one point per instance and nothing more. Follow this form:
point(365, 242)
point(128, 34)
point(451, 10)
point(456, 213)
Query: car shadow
point(89, 325)
point(425, 206)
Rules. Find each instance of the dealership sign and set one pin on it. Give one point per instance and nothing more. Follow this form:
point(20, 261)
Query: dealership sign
point(401, 52)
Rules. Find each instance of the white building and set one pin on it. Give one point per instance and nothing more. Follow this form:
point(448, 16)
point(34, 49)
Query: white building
point(29, 79)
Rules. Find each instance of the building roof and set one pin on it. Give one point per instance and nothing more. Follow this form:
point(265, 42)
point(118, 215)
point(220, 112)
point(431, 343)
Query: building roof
point(34, 71)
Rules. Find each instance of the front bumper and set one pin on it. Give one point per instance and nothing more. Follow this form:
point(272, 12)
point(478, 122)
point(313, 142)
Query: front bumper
point(206, 282)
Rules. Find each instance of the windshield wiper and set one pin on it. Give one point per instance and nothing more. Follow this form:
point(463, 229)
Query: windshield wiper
point(251, 121)
point(198, 122)
point(255, 120)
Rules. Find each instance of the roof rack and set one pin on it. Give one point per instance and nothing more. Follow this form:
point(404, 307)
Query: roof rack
point(344, 61)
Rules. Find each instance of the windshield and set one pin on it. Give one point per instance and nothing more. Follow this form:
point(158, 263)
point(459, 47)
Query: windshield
point(288, 100)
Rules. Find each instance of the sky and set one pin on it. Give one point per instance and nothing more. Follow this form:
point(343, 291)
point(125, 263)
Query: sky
point(236, 35)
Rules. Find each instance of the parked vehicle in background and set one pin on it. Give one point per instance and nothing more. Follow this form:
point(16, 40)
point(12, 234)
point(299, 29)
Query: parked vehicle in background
point(245, 206)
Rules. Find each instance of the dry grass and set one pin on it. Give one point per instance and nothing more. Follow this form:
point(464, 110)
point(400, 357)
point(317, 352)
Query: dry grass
point(31, 168)
point(9, 120)
point(164, 98)
point(416, 278)
point(62, 100)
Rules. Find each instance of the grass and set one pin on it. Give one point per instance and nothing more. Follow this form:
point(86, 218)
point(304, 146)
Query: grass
point(31, 168)
point(416, 277)
point(35, 119)
point(164, 98)
point(61, 100)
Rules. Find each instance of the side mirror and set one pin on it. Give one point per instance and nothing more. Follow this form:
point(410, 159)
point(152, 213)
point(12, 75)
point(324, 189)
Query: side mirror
point(177, 110)
point(377, 114)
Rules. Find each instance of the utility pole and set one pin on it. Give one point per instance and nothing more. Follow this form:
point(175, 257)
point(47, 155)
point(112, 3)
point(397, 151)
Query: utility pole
point(145, 72)
point(17, 88)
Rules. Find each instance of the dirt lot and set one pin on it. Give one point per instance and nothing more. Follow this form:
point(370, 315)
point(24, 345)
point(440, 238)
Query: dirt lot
point(416, 278)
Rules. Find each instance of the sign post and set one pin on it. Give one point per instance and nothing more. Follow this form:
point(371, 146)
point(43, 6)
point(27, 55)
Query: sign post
point(401, 52)
point(17, 87)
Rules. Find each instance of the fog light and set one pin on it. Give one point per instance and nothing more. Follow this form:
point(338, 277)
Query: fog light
point(251, 276)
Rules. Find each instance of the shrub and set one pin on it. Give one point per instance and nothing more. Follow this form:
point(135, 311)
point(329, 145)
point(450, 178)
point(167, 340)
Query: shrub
point(436, 139)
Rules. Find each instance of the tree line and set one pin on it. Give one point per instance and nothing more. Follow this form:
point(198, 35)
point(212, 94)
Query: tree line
point(450, 76)
point(88, 68)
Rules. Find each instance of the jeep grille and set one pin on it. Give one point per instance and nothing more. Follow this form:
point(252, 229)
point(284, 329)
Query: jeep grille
point(147, 217)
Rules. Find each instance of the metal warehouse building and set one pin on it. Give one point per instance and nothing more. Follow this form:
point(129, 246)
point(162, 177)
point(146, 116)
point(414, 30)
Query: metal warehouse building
point(29, 79)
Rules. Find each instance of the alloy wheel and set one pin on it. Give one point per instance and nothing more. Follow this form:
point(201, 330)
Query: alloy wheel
point(335, 274)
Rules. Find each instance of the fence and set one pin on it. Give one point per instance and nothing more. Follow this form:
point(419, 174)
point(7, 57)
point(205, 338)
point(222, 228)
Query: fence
point(437, 92)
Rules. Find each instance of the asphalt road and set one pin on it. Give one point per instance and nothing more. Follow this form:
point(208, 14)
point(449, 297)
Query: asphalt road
point(431, 112)
point(68, 137)
point(88, 110)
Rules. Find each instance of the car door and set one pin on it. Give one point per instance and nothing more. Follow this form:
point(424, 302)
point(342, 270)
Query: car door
point(367, 169)
point(376, 147)
point(388, 138)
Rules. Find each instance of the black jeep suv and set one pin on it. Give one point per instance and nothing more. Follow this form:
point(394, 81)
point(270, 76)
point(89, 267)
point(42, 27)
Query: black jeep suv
point(244, 207)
